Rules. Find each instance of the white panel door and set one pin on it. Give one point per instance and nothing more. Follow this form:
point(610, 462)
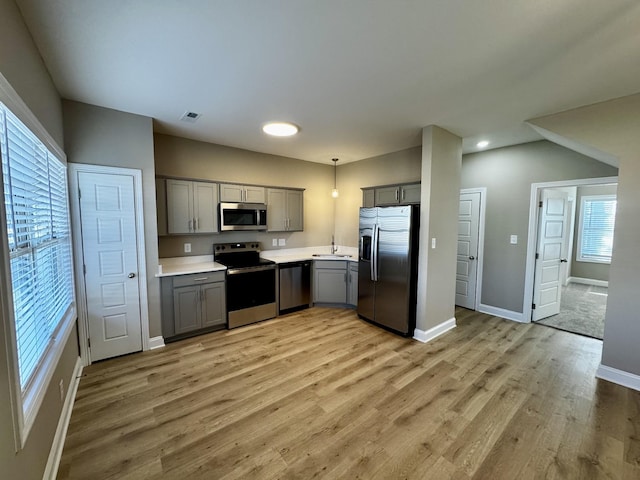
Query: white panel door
point(109, 245)
point(467, 259)
point(552, 232)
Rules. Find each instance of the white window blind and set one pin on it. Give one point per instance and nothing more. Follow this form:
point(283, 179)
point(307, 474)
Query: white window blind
point(597, 219)
point(35, 196)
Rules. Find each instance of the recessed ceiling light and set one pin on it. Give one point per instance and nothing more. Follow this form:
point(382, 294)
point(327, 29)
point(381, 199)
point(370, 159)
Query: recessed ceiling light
point(482, 144)
point(280, 129)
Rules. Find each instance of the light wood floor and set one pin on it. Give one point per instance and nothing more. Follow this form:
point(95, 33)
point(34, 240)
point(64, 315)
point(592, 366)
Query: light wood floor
point(322, 394)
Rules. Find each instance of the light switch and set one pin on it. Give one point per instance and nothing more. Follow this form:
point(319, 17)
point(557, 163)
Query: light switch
point(187, 248)
point(274, 242)
point(514, 240)
point(433, 242)
point(282, 242)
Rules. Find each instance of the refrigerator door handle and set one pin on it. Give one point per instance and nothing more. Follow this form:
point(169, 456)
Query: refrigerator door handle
point(374, 253)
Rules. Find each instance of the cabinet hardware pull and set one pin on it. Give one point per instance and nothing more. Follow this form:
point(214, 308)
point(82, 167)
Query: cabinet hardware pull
point(201, 279)
point(190, 222)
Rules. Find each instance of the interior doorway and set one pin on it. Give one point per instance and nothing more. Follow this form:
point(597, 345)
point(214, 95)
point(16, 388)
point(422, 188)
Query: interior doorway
point(471, 215)
point(110, 262)
point(572, 249)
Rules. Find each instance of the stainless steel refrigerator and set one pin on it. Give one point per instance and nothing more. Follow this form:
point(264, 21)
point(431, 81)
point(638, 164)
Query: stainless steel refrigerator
point(388, 266)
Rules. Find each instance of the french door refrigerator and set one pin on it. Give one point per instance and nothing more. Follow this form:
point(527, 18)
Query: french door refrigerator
point(388, 266)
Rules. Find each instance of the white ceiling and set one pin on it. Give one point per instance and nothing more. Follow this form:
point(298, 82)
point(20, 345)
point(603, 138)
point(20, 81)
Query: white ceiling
point(360, 77)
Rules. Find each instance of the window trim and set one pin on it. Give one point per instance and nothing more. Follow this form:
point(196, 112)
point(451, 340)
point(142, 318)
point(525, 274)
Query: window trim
point(25, 408)
point(579, 256)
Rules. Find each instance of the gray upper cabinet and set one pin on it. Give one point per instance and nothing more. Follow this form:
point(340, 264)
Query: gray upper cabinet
point(230, 192)
point(191, 207)
point(391, 195)
point(161, 206)
point(410, 193)
point(285, 210)
point(368, 197)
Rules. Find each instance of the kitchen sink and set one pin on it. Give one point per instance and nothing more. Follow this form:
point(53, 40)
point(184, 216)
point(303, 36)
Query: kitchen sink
point(331, 255)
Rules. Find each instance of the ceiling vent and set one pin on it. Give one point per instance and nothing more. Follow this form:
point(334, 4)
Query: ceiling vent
point(190, 117)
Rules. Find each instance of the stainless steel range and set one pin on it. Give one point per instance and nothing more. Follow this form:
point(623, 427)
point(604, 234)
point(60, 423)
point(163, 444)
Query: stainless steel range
point(251, 283)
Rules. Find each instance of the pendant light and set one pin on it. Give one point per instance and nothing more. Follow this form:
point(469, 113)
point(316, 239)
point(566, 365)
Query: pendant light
point(334, 192)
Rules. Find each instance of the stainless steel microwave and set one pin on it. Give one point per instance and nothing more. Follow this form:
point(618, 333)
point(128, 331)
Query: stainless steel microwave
point(243, 216)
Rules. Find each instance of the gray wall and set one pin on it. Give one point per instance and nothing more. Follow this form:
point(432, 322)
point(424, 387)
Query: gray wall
point(508, 173)
point(590, 270)
point(613, 127)
point(100, 136)
point(21, 65)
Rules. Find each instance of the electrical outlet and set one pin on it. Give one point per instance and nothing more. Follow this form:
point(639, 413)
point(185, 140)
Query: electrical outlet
point(433, 242)
point(62, 390)
point(282, 242)
point(274, 242)
point(187, 248)
point(513, 239)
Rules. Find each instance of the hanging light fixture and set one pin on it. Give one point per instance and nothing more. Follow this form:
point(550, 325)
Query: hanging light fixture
point(334, 192)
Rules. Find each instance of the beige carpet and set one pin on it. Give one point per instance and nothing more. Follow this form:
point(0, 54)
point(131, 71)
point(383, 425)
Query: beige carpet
point(582, 310)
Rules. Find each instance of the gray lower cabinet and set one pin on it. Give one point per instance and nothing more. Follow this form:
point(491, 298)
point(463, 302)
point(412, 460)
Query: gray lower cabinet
point(335, 282)
point(352, 287)
point(192, 304)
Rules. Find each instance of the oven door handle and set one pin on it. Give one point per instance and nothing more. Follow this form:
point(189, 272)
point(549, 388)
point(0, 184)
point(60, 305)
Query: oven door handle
point(238, 271)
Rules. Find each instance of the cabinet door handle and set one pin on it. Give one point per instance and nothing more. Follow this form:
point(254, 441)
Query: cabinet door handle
point(190, 225)
point(397, 198)
point(201, 279)
point(403, 194)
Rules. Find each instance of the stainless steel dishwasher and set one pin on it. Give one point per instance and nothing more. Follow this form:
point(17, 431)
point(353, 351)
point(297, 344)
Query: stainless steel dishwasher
point(295, 286)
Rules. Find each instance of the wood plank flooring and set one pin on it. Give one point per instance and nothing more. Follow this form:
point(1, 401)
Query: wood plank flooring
point(322, 394)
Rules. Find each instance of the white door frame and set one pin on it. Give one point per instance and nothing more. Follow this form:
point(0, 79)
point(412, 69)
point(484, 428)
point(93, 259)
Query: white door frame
point(533, 226)
point(480, 257)
point(83, 327)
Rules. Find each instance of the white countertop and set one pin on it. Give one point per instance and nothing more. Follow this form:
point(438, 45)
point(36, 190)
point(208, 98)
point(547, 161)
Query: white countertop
point(301, 254)
point(169, 267)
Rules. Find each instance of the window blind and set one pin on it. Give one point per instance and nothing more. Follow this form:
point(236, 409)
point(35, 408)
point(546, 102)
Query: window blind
point(37, 217)
point(598, 215)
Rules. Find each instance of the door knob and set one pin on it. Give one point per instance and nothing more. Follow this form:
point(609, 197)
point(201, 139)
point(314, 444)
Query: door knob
point(563, 260)
point(472, 257)
point(131, 275)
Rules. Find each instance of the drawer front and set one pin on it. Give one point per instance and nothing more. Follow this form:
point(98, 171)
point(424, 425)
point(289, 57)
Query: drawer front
point(197, 278)
point(339, 264)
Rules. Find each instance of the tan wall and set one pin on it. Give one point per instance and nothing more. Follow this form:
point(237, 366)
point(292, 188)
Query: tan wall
point(440, 199)
point(180, 157)
point(397, 167)
point(100, 136)
point(613, 127)
point(21, 65)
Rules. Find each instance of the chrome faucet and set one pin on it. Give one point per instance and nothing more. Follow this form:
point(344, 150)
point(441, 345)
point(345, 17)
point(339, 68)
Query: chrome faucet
point(334, 249)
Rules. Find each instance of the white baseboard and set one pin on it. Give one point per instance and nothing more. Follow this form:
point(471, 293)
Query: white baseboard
point(53, 462)
point(589, 281)
point(619, 377)
point(428, 335)
point(501, 312)
point(156, 342)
